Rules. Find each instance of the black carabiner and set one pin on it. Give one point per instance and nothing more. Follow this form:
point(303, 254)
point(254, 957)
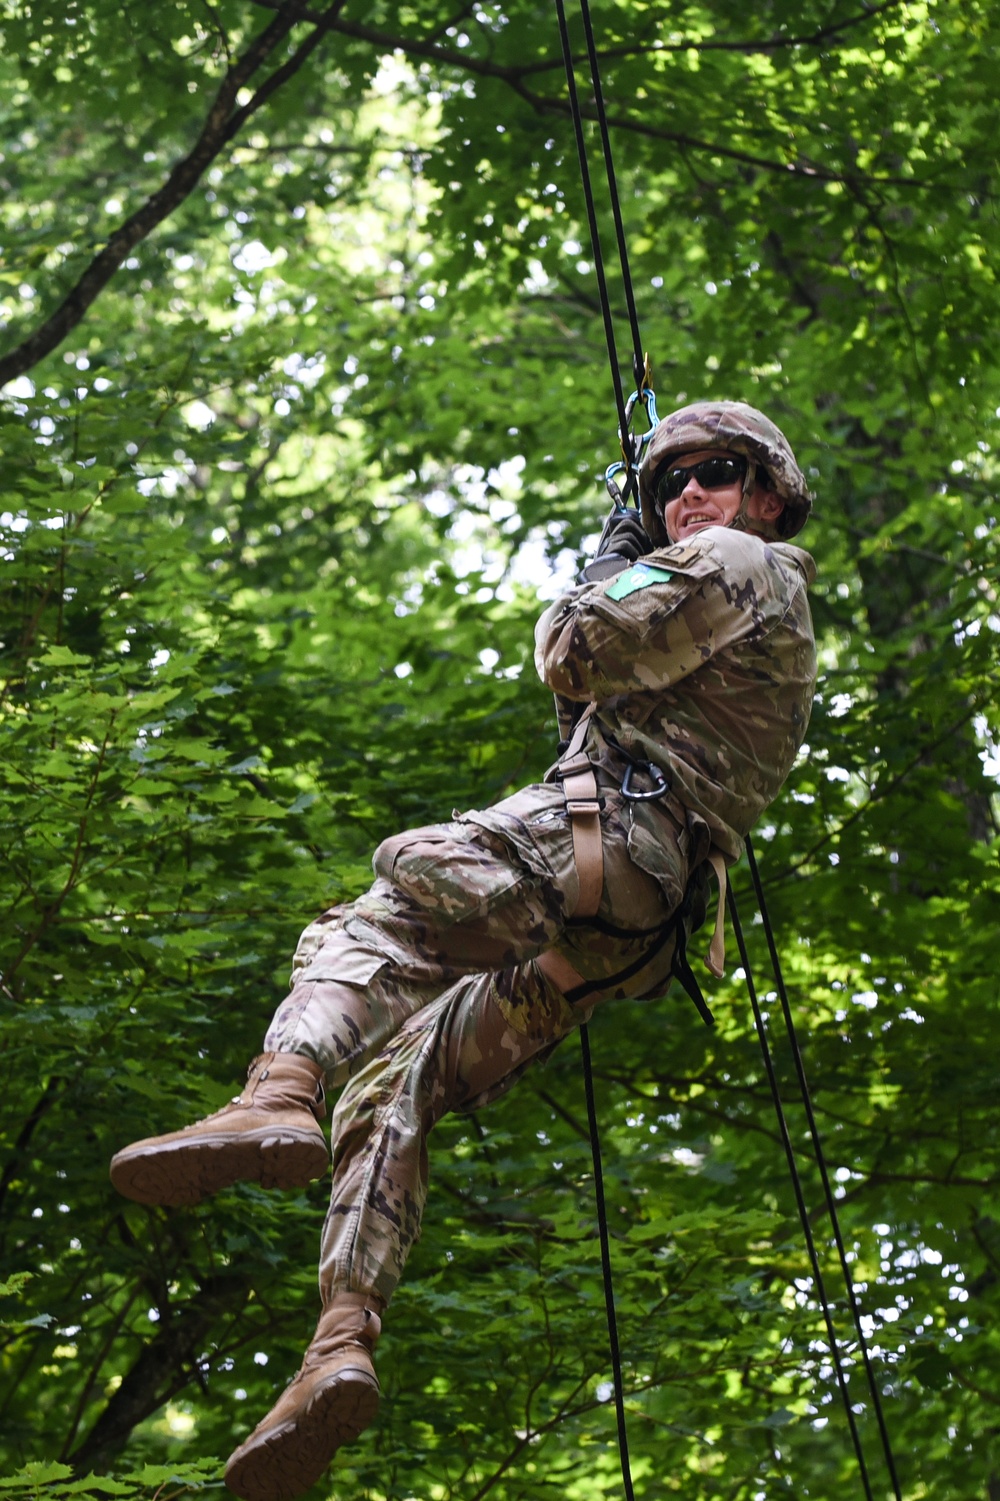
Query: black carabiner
point(662, 785)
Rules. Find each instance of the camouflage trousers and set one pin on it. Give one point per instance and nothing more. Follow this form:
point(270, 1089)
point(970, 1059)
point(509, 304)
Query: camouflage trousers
point(424, 995)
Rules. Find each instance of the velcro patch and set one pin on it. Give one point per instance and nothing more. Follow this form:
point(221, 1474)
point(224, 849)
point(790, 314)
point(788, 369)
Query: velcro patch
point(639, 576)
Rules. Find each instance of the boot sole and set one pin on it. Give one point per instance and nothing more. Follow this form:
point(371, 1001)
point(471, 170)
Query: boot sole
point(181, 1173)
point(283, 1462)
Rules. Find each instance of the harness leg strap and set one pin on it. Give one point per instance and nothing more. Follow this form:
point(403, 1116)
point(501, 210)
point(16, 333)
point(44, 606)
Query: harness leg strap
point(580, 792)
point(579, 785)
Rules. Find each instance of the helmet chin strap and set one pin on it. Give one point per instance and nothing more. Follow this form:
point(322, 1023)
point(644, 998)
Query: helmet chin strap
point(742, 521)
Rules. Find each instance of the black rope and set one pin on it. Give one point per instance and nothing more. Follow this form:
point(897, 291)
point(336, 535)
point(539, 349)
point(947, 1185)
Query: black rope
point(638, 357)
point(820, 1157)
point(609, 1296)
point(786, 1142)
point(609, 335)
point(595, 238)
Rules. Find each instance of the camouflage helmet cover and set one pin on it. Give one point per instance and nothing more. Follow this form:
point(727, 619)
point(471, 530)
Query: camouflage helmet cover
point(735, 426)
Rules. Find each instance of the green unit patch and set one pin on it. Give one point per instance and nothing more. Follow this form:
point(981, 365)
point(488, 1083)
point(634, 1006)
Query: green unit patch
point(639, 576)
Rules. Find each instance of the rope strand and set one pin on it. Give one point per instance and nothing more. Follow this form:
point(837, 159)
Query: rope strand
point(786, 1142)
point(638, 356)
point(820, 1157)
point(609, 1296)
point(609, 335)
point(595, 238)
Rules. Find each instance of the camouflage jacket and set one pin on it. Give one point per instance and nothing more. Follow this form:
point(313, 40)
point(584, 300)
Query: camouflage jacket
point(700, 658)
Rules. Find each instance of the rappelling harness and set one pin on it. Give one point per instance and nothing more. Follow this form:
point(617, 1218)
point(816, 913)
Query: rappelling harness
point(578, 778)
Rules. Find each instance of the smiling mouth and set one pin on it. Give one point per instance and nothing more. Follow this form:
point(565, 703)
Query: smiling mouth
point(697, 517)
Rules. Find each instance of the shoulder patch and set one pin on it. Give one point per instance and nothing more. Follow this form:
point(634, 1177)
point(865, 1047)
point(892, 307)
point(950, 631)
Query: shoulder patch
point(639, 576)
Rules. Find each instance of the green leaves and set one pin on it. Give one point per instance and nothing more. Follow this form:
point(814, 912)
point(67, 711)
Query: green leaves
point(275, 514)
point(51, 1479)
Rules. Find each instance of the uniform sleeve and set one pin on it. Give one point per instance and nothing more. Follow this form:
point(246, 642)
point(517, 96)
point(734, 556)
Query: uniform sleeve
point(648, 627)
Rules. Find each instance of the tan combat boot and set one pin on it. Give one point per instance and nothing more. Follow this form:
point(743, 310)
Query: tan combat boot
point(267, 1135)
point(331, 1401)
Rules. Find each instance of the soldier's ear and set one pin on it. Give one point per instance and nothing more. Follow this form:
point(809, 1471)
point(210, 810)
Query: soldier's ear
point(769, 504)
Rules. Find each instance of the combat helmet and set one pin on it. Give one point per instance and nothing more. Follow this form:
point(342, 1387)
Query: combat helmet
point(741, 429)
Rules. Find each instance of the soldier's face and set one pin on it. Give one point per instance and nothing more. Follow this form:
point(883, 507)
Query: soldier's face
point(697, 506)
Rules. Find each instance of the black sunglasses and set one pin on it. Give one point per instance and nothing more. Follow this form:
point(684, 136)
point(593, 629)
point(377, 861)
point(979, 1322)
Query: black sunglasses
point(712, 474)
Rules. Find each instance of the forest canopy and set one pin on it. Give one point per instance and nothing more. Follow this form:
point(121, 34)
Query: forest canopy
point(305, 406)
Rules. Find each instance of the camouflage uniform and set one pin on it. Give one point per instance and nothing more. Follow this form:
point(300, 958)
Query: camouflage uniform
point(425, 995)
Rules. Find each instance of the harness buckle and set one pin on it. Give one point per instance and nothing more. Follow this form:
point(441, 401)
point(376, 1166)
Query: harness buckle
point(585, 806)
point(573, 766)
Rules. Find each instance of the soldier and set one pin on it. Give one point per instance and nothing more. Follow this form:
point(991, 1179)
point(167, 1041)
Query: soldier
point(683, 676)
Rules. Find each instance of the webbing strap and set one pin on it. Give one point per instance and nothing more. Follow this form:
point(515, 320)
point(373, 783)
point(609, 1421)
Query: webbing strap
point(579, 785)
point(716, 956)
point(580, 791)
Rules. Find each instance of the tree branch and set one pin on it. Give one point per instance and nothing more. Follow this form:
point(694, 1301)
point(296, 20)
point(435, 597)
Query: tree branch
point(43, 1105)
point(162, 1367)
point(221, 124)
point(775, 44)
point(514, 75)
point(426, 46)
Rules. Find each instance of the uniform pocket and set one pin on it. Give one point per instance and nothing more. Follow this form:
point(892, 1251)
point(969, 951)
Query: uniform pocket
point(661, 847)
point(449, 870)
point(643, 598)
point(534, 825)
point(313, 937)
point(341, 957)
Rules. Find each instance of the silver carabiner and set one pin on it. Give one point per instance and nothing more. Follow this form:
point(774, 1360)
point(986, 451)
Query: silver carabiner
point(661, 788)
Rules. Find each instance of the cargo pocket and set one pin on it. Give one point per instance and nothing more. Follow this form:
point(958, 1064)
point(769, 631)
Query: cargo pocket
point(534, 825)
point(448, 870)
point(313, 937)
point(660, 846)
point(341, 957)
